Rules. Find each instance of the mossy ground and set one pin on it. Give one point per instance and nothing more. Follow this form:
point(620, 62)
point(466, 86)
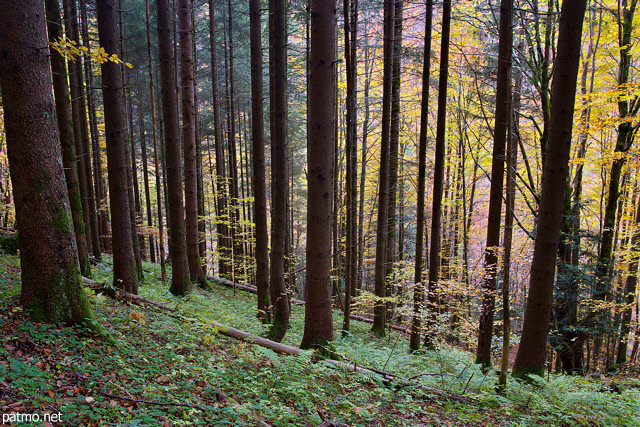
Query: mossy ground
point(168, 370)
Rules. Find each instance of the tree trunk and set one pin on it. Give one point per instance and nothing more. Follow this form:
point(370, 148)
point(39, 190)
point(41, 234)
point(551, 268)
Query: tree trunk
point(259, 164)
point(189, 144)
point(180, 280)
point(532, 350)
point(501, 124)
point(279, 181)
point(124, 273)
point(318, 325)
point(224, 245)
point(51, 282)
point(152, 96)
point(379, 310)
point(65, 124)
point(438, 175)
point(418, 293)
point(147, 189)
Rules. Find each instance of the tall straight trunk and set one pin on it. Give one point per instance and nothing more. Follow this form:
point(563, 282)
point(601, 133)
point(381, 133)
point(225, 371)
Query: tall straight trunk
point(65, 125)
point(394, 143)
point(438, 174)
point(51, 283)
point(279, 181)
point(350, 34)
point(85, 142)
point(418, 293)
point(139, 237)
point(501, 125)
point(221, 198)
point(259, 163)
point(533, 344)
point(75, 80)
point(189, 144)
point(147, 189)
point(318, 324)
point(152, 96)
point(379, 310)
point(512, 164)
point(124, 273)
point(180, 280)
point(100, 185)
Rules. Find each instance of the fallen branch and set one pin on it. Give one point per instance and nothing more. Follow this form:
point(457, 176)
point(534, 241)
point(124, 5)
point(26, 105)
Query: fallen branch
point(148, 402)
point(122, 295)
point(287, 349)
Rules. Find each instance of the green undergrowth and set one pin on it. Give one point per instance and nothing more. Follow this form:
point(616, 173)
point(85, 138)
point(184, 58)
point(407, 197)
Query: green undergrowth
point(177, 369)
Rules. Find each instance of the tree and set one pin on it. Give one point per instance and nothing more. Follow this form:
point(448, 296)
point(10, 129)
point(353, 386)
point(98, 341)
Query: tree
point(124, 273)
point(189, 145)
point(180, 280)
point(501, 124)
point(51, 282)
point(279, 181)
point(318, 322)
point(379, 310)
point(418, 293)
point(65, 124)
point(533, 343)
point(259, 163)
point(438, 172)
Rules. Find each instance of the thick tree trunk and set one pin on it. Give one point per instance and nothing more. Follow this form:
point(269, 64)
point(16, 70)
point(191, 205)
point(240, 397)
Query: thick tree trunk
point(189, 144)
point(124, 274)
point(51, 282)
point(180, 281)
point(318, 325)
point(65, 124)
point(532, 351)
point(501, 124)
point(259, 164)
point(279, 181)
point(418, 292)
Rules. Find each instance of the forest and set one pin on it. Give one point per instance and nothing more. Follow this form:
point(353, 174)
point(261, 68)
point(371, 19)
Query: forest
point(322, 213)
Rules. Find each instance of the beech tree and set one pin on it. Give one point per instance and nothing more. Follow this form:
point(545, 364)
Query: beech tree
point(533, 344)
point(318, 324)
point(51, 283)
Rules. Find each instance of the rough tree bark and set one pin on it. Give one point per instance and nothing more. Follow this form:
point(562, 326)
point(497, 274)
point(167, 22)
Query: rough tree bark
point(318, 325)
point(51, 282)
point(124, 272)
point(180, 280)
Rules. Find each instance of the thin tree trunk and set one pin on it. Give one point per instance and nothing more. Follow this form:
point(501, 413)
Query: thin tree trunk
point(438, 176)
point(279, 181)
point(152, 95)
point(147, 190)
point(485, 327)
point(189, 145)
point(259, 164)
point(379, 310)
point(65, 125)
point(418, 292)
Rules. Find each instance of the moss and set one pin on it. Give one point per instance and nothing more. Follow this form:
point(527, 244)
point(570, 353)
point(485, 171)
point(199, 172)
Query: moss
point(60, 219)
point(9, 244)
point(524, 374)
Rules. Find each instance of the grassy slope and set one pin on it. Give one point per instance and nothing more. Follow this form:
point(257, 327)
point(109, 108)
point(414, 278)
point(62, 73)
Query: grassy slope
point(222, 382)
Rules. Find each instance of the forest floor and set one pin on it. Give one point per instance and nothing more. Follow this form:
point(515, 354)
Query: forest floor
point(174, 369)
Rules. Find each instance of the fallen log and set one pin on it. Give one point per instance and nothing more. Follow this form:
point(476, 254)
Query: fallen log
point(281, 348)
point(252, 289)
point(122, 295)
